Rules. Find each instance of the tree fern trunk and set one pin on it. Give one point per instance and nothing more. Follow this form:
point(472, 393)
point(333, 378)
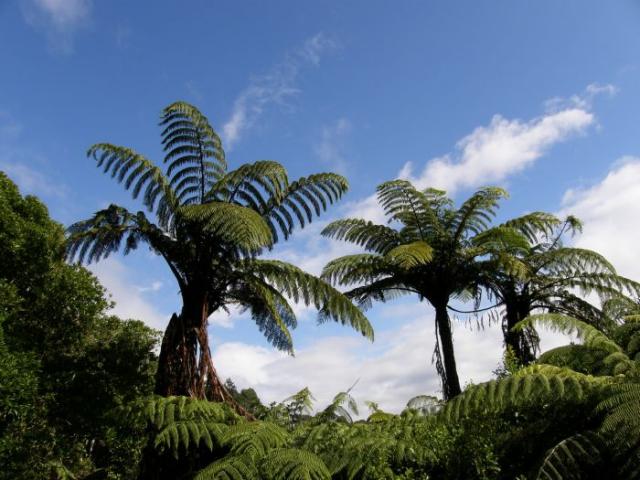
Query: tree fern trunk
point(519, 342)
point(448, 371)
point(185, 366)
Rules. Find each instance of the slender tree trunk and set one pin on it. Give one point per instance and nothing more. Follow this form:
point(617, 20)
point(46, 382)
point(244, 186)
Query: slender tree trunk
point(447, 368)
point(185, 366)
point(521, 343)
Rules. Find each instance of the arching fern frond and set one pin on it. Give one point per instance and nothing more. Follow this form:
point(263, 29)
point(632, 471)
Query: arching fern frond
point(254, 439)
point(232, 467)
point(374, 238)
point(303, 287)
point(233, 224)
point(476, 213)
point(535, 225)
point(301, 200)
point(410, 255)
point(356, 269)
point(179, 422)
point(590, 335)
point(104, 233)
point(138, 174)
point(520, 390)
point(293, 464)
point(194, 155)
point(572, 458)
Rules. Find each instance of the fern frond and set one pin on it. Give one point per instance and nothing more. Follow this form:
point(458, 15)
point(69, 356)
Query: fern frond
point(475, 214)
point(590, 335)
point(194, 154)
point(573, 457)
point(373, 238)
point(134, 170)
point(233, 224)
point(293, 464)
point(101, 235)
point(520, 390)
point(535, 225)
point(254, 439)
point(303, 287)
point(231, 467)
point(410, 255)
point(301, 200)
point(356, 269)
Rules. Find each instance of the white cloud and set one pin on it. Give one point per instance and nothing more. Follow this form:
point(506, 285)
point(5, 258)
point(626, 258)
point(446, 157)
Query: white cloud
point(492, 153)
point(329, 149)
point(390, 371)
point(504, 147)
point(58, 19)
point(274, 88)
point(609, 210)
point(130, 301)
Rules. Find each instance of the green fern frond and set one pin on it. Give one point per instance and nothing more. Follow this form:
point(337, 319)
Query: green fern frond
point(303, 287)
point(535, 224)
point(519, 390)
point(137, 173)
point(477, 211)
point(590, 335)
point(254, 439)
point(231, 467)
point(373, 238)
point(356, 269)
point(410, 255)
point(293, 464)
point(572, 458)
point(303, 198)
point(233, 224)
point(194, 155)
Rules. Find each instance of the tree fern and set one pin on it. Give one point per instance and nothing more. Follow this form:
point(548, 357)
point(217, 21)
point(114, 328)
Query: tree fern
point(210, 225)
point(436, 251)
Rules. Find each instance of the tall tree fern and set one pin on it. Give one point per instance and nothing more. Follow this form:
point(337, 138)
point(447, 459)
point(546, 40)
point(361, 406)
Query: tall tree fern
point(548, 276)
point(437, 251)
point(210, 225)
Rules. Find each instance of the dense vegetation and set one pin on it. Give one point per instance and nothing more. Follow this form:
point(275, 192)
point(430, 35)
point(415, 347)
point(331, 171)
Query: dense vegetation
point(87, 395)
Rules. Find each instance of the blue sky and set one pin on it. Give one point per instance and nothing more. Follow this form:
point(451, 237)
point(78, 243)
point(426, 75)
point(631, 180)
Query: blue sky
point(540, 97)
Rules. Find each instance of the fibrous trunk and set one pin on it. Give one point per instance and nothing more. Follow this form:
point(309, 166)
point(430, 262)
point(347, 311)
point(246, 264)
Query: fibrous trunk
point(445, 357)
point(185, 366)
point(522, 343)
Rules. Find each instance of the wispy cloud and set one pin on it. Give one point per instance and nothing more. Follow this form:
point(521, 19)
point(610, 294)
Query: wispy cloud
point(331, 145)
point(122, 36)
point(59, 20)
point(10, 128)
point(30, 180)
point(275, 87)
point(130, 301)
point(194, 90)
point(22, 164)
